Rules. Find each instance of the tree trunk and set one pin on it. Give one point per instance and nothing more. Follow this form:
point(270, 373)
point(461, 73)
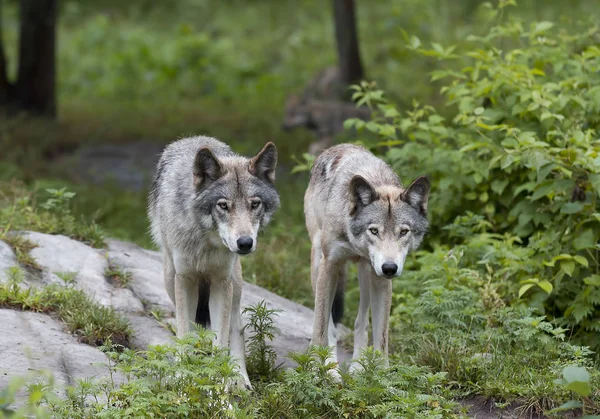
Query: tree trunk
point(351, 70)
point(5, 86)
point(35, 89)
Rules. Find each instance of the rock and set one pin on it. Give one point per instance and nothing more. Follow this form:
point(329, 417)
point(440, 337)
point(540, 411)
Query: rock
point(36, 342)
point(146, 273)
point(128, 165)
point(147, 331)
point(7, 260)
point(56, 254)
point(60, 254)
point(294, 322)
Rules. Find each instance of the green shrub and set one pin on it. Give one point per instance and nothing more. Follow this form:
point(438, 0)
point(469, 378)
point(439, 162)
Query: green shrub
point(521, 152)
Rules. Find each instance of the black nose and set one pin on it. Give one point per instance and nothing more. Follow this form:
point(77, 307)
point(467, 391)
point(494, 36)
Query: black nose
point(245, 244)
point(389, 268)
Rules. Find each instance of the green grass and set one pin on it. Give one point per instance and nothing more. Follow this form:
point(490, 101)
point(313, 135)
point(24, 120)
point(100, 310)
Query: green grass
point(91, 323)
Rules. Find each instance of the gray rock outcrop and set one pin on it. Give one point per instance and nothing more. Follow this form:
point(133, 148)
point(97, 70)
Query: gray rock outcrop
point(34, 341)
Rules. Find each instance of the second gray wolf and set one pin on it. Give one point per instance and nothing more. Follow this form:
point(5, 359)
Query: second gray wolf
point(356, 209)
point(206, 207)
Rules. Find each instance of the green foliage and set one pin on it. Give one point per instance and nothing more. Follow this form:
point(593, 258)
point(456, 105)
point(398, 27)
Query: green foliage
point(187, 379)
point(89, 321)
point(193, 378)
point(19, 210)
point(521, 152)
point(261, 356)
point(397, 391)
point(576, 379)
point(118, 276)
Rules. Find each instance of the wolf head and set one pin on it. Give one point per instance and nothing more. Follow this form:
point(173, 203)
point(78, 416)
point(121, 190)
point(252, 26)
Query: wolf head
point(388, 222)
point(235, 196)
point(296, 114)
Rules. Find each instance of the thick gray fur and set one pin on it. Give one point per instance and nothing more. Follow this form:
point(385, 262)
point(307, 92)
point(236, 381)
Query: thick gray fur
point(357, 209)
point(205, 199)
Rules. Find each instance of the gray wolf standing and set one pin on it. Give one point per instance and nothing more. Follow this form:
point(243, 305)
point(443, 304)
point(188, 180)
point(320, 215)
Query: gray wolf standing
point(356, 209)
point(206, 207)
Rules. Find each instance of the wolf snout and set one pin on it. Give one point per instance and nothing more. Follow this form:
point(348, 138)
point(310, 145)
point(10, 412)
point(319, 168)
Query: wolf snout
point(389, 269)
point(245, 244)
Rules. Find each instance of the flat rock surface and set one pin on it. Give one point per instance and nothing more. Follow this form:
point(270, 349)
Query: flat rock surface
point(34, 342)
point(38, 342)
point(60, 255)
point(7, 260)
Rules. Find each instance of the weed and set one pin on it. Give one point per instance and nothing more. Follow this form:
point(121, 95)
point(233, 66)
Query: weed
point(118, 276)
point(89, 321)
point(22, 247)
point(261, 356)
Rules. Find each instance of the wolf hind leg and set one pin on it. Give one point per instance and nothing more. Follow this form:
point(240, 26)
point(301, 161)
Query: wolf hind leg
point(315, 259)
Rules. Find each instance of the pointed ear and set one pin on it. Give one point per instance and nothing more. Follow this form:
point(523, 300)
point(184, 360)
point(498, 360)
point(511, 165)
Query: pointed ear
point(361, 193)
point(264, 163)
point(417, 194)
point(207, 168)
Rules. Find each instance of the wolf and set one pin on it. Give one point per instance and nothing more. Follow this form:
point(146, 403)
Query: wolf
point(319, 109)
point(206, 207)
point(356, 209)
point(324, 118)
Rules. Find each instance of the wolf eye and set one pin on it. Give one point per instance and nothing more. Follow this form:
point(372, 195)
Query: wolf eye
point(374, 231)
point(255, 204)
point(223, 205)
point(404, 232)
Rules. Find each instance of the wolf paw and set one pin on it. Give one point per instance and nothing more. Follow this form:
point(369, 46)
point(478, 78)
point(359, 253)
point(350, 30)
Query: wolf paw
point(355, 367)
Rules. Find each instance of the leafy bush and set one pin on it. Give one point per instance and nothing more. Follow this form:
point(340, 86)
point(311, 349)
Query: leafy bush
point(193, 378)
point(521, 152)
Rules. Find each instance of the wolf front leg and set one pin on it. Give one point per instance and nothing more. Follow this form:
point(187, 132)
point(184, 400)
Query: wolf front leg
point(219, 306)
point(186, 301)
point(361, 325)
point(236, 339)
point(325, 289)
point(381, 303)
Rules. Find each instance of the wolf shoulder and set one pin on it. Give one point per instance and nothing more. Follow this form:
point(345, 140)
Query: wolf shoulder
point(336, 167)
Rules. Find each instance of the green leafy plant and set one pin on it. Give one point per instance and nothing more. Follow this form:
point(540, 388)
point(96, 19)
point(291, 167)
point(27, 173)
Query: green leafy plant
point(520, 150)
point(20, 211)
point(261, 356)
point(577, 379)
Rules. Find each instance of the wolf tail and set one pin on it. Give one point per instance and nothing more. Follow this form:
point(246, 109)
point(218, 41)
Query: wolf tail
point(202, 311)
point(337, 310)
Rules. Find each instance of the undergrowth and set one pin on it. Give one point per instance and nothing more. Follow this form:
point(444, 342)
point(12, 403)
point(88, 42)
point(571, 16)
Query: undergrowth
point(90, 322)
point(45, 212)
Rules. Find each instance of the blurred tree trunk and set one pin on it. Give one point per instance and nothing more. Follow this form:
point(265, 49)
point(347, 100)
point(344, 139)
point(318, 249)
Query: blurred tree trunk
point(5, 87)
point(35, 89)
point(351, 69)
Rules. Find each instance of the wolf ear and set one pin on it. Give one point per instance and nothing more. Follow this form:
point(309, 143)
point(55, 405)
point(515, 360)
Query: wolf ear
point(417, 194)
point(263, 164)
point(206, 168)
point(361, 192)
